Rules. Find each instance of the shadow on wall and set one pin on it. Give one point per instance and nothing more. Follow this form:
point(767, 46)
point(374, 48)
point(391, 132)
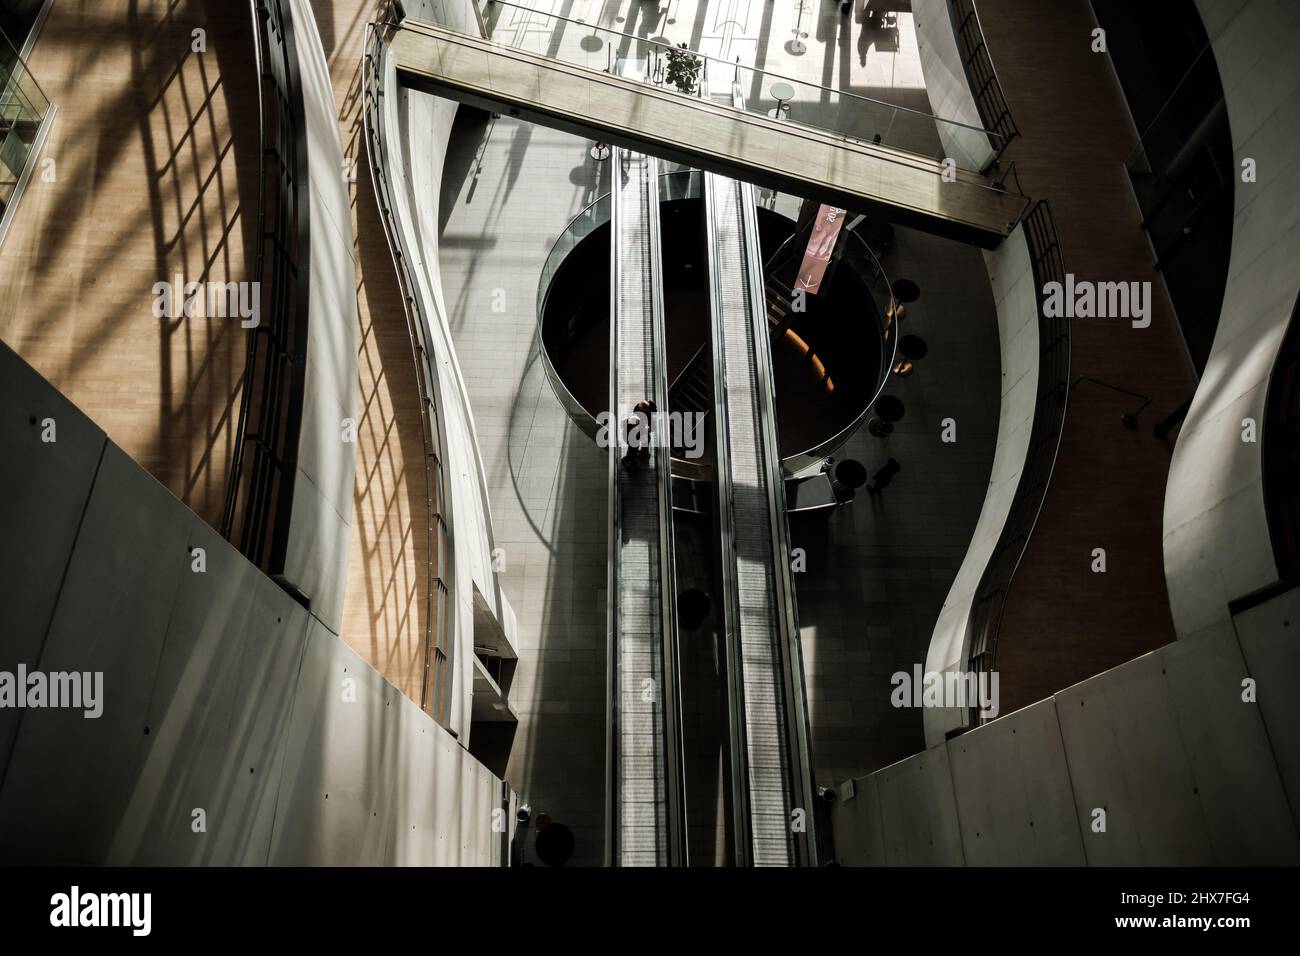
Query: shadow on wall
point(559, 479)
point(140, 110)
point(879, 570)
point(388, 591)
point(201, 153)
point(324, 11)
point(386, 607)
point(232, 727)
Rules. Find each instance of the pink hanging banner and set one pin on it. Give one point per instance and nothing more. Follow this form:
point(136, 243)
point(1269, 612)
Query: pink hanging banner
point(830, 220)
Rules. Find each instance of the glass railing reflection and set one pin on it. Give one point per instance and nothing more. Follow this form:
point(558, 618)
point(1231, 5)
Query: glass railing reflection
point(657, 61)
point(23, 108)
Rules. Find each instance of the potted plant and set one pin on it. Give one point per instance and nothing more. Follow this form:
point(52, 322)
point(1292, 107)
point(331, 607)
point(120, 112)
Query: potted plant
point(683, 68)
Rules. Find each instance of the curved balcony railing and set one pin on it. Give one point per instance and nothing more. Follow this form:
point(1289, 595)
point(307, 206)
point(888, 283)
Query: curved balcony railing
point(259, 491)
point(1053, 391)
point(985, 86)
point(592, 217)
point(435, 687)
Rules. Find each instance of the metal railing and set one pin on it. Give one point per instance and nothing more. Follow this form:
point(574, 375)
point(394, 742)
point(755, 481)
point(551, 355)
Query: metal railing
point(259, 491)
point(435, 692)
point(621, 725)
point(592, 217)
point(801, 775)
point(25, 112)
point(985, 86)
point(850, 115)
point(985, 620)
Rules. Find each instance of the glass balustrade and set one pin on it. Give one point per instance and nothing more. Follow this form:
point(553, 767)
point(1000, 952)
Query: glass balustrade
point(23, 107)
point(656, 61)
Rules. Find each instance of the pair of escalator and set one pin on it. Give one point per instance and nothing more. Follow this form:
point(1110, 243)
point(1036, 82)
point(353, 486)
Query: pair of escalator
point(768, 774)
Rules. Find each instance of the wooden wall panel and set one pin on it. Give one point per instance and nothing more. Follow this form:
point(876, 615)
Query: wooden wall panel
point(152, 176)
point(1064, 623)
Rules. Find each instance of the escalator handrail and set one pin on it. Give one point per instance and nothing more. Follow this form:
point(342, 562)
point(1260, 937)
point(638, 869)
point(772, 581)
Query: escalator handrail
point(737, 775)
point(695, 360)
point(675, 756)
point(798, 726)
point(676, 843)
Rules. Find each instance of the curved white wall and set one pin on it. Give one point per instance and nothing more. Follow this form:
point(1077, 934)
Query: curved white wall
point(1016, 296)
point(321, 523)
point(1216, 539)
point(1012, 276)
point(947, 87)
point(417, 128)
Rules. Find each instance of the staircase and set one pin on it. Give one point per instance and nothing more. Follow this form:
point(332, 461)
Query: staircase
point(692, 390)
point(780, 299)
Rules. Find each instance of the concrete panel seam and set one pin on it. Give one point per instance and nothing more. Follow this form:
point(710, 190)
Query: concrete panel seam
point(1069, 779)
point(293, 704)
point(58, 597)
point(1268, 738)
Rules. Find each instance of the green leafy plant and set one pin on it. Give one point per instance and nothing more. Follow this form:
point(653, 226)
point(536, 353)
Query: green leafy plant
point(683, 68)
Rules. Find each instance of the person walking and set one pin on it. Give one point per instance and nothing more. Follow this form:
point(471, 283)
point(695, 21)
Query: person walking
point(881, 479)
point(636, 435)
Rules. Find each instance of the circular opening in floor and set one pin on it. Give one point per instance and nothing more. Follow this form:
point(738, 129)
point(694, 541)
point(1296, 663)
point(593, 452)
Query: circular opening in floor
point(829, 361)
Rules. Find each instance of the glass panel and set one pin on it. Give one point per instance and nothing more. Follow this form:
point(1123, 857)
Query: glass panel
point(808, 104)
point(907, 133)
point(23, 107)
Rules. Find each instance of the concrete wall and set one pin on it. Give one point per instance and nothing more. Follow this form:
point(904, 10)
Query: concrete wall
point(320, 526)
point(1186, 771)
point(1216, 540)
point(220, 693)
point(416, 130)
point(1012, 277)
point(947, 87)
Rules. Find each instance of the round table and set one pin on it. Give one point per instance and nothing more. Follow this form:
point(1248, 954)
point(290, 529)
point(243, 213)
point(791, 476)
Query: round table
point(889, 408)
point(554, 844)
point(782, 92)
point(884, 413)
point(850, 473)
point(905, 290)
point(912, 347)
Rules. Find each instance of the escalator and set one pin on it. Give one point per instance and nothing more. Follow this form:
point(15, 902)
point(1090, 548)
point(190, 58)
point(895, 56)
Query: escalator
point(769, 771)
point(645, 786)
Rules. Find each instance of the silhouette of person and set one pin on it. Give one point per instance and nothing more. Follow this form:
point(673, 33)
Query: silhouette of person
point(881, 479)
point(637, 432)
